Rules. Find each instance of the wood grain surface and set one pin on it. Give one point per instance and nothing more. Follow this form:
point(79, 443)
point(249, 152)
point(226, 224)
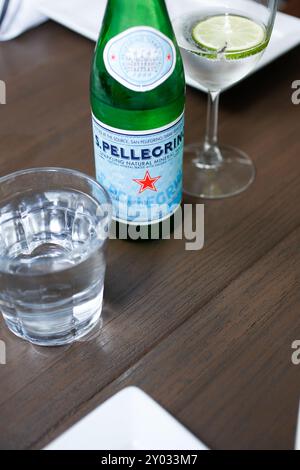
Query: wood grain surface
point(207, 334)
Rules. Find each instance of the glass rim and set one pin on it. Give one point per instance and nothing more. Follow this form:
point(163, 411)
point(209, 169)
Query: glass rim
point(56, 169)
point(67, 171)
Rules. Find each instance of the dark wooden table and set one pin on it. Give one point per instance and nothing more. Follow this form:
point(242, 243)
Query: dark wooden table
point(207, 334)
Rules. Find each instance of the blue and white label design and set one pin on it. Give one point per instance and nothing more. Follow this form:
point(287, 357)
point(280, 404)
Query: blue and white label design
point(142, 171)
point(140, 58)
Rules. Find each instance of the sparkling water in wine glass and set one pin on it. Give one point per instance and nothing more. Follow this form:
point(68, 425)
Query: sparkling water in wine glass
point(221, 42)
point(211, 48)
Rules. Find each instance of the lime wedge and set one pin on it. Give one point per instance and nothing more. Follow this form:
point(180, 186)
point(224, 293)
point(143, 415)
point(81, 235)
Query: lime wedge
point(228, 34)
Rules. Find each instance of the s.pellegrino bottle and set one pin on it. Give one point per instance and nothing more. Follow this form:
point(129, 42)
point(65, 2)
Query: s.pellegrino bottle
point(137, 101)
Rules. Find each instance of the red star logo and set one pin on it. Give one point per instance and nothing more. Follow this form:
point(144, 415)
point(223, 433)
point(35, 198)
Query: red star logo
point(113, 57)
point(147, 182)
point(169, 57)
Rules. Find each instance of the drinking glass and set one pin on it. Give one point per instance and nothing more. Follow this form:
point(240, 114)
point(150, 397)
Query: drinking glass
point(221, 41)
point(54, 226)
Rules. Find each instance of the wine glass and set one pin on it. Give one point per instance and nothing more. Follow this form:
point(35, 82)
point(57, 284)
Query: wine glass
point(221, 41)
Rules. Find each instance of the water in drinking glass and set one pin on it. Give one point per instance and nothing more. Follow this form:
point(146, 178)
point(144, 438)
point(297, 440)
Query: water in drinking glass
point(52, 262)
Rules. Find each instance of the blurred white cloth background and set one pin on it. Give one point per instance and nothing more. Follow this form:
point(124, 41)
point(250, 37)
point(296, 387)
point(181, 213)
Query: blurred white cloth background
point(17, 16)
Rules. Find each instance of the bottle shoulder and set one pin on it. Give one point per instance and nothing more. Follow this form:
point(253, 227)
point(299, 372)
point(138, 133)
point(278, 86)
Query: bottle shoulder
point(137, 72)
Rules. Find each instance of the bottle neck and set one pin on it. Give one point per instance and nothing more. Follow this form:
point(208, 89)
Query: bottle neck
point(142, 9)
point(133, 3)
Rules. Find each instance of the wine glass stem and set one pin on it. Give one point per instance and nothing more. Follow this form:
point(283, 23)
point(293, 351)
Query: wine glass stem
point(211, 156)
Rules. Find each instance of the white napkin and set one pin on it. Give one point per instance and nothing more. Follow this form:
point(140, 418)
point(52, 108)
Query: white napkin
point(16, 16)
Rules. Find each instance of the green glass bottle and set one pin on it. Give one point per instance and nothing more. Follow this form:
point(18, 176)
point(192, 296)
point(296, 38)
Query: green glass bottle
point(137, 101)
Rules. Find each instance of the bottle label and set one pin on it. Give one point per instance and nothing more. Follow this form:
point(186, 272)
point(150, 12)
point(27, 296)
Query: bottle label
point(142, 170)
point(141, 58)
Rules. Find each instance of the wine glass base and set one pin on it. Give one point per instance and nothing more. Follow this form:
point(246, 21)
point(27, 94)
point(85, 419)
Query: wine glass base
point(233, 175)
